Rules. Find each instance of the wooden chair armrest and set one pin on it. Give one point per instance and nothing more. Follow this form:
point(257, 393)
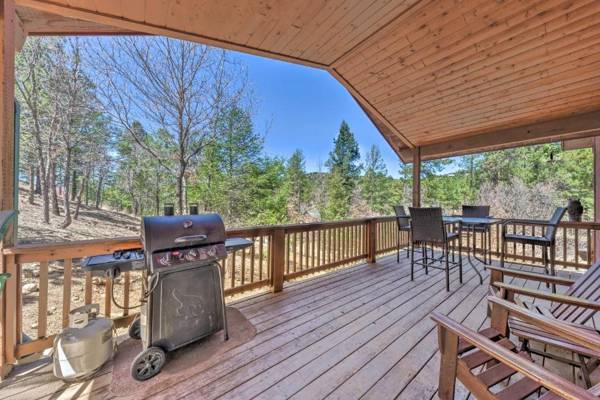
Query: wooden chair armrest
point(560, 298)
point(552, 325)
point(537, 373)
point(532, 275)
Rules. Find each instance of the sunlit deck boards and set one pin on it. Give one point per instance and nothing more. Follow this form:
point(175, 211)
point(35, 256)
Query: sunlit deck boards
point(362, 332)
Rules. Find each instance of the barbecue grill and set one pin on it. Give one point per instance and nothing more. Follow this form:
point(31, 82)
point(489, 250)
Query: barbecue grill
point(183, 293)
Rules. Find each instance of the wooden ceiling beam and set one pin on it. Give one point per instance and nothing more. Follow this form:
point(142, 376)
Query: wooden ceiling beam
point(573, 127)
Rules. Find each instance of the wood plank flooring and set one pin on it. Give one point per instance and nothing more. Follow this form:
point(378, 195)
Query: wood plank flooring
point(362, 332)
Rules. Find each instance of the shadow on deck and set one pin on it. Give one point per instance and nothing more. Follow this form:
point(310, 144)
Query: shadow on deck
point(361, 332)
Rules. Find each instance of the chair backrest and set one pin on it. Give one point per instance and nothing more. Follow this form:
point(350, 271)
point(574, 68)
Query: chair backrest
point(402, 218)
point(587, 287)
point(475, 211)
point(550, 232)
point(427, 225)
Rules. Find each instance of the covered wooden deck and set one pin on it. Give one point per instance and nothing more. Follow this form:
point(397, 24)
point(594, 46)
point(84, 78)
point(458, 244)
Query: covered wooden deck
point(360, 332)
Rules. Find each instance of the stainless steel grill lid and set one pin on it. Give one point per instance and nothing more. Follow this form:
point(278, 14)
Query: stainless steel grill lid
point(162, 233)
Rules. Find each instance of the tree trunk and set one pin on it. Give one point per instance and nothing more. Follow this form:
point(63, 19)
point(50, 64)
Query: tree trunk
point(87, 192)
point(82, 188)
point(45, 186)
point(74, 182)
point(157, 194)
point(53, 194)
point(67, 183)
point(99, 191)
point(38, 181)
point(31, 197)
point(180, 192)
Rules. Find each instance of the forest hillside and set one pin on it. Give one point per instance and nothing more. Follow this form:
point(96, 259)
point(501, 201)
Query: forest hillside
point(92, 224)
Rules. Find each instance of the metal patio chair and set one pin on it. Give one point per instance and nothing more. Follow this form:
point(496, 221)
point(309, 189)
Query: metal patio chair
point(403, 222)
point(427, 227)
point(471, 211)
point(546, 241)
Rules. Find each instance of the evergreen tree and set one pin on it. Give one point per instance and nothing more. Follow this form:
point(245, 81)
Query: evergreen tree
point(297, 185)
point(344, 170)
point(375, 185)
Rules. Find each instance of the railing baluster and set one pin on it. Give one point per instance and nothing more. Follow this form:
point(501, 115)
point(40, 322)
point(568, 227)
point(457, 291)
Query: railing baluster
point(43, 300)
point(88, 288)
point(108, 284)
point(252, 255)
point(260, 258)
point(243, 272)
point(67, 279)
point(576, 245)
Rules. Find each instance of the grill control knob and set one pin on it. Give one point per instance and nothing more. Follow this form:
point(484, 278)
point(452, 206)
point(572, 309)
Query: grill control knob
point(191, 255)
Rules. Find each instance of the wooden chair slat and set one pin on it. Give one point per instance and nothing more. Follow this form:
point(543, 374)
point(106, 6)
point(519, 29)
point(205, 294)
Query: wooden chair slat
point(496, 374)
point(478, 358)
point(519, 390)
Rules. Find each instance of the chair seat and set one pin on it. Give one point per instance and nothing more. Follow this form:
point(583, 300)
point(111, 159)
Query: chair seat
point(525, 239)
point(452, 235)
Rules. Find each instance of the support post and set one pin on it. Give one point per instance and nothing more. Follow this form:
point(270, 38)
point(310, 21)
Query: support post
point(277, 259)
point(596, 149)
point(416, 189)
point(371, 238)
point(7, 177)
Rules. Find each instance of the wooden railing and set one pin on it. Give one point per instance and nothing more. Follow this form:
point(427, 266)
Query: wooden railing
point(574, 243)
point(280, 253)
point(44, 272)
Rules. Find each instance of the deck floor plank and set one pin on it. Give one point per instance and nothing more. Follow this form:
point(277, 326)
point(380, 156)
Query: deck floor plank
point(358, 332)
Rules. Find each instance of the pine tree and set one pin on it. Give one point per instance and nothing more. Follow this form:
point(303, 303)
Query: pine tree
point(344, 170)
point(375, 185)
point(297, 185)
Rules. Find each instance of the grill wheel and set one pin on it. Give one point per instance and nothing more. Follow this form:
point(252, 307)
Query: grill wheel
point(148, 363)
point(135, 329)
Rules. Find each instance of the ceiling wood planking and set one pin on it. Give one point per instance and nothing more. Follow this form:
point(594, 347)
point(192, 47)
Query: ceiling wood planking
point(362, 28)
point(460, 50)
point(490, 67)
point(435, 73)
point(394, 52)
point(518, 118)
point(536, 87)
point(477, 90)
point(425, 71)
point(567, 128)
point(503, 117)
point(503, 68)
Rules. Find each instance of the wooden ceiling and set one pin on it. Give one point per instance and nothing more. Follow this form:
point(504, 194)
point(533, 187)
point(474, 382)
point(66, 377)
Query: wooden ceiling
point(449, 76)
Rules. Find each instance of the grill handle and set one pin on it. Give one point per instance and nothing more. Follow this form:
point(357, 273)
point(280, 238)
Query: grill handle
point(191, 238)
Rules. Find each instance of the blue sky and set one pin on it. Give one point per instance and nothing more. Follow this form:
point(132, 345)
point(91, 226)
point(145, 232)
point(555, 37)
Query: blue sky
point(303, 108)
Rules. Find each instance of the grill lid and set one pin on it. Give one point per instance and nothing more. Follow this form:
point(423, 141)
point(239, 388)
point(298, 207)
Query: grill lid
point(172, 232)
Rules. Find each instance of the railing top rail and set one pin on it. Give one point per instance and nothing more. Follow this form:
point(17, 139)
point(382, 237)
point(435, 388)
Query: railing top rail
point(36, 252)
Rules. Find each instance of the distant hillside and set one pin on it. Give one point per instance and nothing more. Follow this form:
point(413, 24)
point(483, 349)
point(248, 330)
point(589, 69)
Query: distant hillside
point(92, 223)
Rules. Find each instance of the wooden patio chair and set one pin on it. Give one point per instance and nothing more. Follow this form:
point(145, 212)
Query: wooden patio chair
point(490, 366)
point(576, 306)
point(427, 227)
